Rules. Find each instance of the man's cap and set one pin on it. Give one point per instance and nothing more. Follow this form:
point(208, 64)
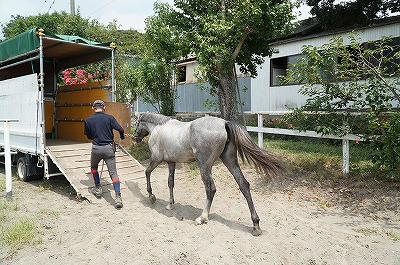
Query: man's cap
point(99, 103)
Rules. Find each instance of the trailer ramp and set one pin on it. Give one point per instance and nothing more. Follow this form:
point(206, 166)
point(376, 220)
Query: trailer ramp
point(73, 160)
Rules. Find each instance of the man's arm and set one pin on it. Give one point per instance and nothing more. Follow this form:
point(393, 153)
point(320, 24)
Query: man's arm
point(118, 127)
point(87, 131)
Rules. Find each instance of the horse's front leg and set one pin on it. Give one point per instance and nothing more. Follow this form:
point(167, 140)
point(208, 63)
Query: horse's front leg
point(171, 177)
point(149, 169)
point(210, 192)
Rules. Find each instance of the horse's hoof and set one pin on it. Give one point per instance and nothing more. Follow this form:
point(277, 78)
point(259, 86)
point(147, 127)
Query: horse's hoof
point(152, 198)
point(256, 232)
point(200, 220)
point(197, 221)
point(170, 206)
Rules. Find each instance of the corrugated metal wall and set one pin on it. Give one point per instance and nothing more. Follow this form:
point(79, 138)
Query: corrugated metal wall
point(190, 98)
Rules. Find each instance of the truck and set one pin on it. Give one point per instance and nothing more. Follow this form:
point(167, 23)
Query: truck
point(47, 138)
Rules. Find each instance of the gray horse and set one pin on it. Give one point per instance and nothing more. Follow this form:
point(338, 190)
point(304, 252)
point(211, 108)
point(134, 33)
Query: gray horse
point(203, 140)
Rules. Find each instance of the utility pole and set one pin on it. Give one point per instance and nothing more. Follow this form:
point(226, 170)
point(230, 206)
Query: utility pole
point(72, 4)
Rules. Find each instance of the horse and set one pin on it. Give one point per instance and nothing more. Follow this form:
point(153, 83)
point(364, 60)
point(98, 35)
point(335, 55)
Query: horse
point(203, 140)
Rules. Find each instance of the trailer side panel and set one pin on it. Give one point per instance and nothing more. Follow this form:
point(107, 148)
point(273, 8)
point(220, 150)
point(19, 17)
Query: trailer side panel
point(21, 99)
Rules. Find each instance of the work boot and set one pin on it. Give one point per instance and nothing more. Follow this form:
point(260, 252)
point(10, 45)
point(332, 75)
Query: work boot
point(97, 191)
point(118, 200)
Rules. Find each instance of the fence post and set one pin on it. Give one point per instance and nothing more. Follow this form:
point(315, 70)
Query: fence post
point(7, 157)
point(260, 134)
point(346, 156)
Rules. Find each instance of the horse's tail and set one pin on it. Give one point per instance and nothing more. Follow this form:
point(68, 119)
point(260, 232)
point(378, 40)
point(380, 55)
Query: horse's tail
point(263, 160)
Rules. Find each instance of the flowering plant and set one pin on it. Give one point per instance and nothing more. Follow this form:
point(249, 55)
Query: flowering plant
point(277, 123)
point(72, 76)
point(271, 123)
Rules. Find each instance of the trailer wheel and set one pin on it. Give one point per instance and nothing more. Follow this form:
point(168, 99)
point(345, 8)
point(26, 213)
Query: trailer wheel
point(22, 169)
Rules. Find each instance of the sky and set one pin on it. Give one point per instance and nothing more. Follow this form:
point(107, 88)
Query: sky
point(130, 14)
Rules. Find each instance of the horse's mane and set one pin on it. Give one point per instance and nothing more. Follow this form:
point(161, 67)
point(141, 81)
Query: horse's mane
point(154, 118)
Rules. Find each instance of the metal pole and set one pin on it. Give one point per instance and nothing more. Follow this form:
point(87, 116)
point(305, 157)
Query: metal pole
point(112, 77)
point(72, 7)
point(7, 158)
point(41, 103)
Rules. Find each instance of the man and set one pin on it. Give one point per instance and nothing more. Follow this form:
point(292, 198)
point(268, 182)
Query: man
point(99, 128)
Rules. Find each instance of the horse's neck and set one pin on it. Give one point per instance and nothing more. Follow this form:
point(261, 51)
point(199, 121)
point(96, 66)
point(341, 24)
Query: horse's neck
point(151, 126)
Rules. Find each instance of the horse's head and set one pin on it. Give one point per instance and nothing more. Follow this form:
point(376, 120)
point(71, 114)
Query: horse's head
point(141, 131)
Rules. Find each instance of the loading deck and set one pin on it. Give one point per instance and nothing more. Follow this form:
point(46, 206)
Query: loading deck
point(73, 160)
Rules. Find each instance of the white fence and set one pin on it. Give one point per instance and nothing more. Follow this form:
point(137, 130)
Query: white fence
point(345, 139)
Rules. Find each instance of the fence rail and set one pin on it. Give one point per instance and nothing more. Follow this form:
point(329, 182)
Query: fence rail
point(345, 139)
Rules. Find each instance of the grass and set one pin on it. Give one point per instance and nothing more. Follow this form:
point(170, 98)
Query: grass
point(21, 232)
point(324, 158)
point(16, 231)
point(392, 235)
point(319, 156)
point(372, 231)
point(141, 151)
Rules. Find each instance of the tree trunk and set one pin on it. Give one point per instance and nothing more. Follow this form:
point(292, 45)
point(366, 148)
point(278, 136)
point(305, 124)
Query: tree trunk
point(227, 95)
point(167, 101)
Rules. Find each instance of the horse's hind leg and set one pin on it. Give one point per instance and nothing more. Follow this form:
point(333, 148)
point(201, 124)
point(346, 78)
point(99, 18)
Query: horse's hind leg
point(149, 169)
point(229, 158)
point(209, 185)
point(171, 176)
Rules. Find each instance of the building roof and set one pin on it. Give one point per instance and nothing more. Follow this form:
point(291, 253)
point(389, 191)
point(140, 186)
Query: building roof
point(309, 28)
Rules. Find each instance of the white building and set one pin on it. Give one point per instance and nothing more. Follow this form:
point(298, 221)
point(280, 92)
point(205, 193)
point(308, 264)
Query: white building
point(264, 92)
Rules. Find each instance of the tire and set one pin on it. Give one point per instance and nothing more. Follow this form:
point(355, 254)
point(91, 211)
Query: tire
point(22, 169)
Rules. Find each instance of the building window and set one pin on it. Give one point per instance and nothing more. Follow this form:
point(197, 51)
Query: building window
point(385, 59)
point(279, 67)
point(181, 74)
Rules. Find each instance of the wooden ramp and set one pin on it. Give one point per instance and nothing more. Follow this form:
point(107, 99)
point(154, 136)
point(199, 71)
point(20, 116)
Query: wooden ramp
point(73, 160)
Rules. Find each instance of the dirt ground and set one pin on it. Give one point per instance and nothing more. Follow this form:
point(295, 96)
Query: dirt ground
point(304, 221)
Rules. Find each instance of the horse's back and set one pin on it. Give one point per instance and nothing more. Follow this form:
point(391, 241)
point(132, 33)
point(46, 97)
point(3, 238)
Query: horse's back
point(202, 139)
point(208, 135)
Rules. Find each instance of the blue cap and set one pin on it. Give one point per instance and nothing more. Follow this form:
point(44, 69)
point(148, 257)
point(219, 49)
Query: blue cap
point(99, 103)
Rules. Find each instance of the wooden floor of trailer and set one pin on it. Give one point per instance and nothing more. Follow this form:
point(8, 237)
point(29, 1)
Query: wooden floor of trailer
point(73, 160)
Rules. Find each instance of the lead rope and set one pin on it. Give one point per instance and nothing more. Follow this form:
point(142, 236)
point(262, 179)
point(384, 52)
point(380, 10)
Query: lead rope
point(102, 165)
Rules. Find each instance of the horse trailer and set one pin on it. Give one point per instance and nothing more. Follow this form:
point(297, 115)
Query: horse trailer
point(50, 118)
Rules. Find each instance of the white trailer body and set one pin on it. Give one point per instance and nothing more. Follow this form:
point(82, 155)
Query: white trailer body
point(20, 99)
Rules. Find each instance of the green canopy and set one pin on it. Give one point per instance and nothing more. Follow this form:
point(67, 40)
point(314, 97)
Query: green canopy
point(20, 55)
point(29, 41)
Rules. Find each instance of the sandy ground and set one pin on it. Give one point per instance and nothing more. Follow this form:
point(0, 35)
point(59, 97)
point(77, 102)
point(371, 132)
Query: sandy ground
point(303, 222)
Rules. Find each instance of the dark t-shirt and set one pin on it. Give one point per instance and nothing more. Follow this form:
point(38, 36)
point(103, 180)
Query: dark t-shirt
point(99, 127)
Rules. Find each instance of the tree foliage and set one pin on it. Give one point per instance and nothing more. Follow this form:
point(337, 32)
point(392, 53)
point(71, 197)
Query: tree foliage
point(154, 67)
point(60, 23)
point(220, 34)
point(337, 14)
point(341, 80)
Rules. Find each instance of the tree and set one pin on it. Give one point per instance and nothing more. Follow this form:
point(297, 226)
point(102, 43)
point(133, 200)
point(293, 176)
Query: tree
point(129, 44)
point(60, 23)
point(359, 12)
point(341, 80)
point(220, 34)
point(154, 68)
